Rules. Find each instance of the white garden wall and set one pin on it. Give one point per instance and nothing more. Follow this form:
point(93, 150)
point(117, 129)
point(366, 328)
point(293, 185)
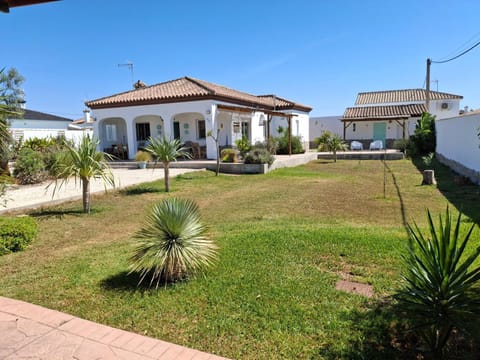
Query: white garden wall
point(458, 145)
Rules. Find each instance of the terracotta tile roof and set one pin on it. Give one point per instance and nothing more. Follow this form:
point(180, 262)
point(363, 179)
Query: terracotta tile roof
point(187, 89)
point(383, 112)
point(405, 96)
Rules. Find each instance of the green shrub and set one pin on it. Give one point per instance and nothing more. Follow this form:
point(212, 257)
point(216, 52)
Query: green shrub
point(243, 145)
point(259, 156)
point(401, 144)
point(29, 167)
point(282, 141)
point(437, 294)
point(271, 145)
point(16, 233)
point(229, 155)
point(423, 141)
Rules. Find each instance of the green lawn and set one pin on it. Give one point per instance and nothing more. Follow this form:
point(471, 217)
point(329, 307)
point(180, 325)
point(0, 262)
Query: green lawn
point(285, 238)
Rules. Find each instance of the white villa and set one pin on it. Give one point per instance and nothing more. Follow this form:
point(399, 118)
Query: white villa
point(392, 115)
point(188, 109)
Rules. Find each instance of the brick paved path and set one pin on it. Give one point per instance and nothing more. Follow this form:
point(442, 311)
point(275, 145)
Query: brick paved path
point(29, 331)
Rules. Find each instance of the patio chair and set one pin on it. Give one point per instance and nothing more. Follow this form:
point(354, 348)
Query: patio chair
point(356, 145)
point(376, 145)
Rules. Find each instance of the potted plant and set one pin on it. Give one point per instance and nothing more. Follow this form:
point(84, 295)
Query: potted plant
point(141, 157)
point(229, 155)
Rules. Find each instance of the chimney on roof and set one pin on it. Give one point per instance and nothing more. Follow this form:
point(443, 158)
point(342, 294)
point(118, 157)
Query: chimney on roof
point(88, 118)
point(139, 85)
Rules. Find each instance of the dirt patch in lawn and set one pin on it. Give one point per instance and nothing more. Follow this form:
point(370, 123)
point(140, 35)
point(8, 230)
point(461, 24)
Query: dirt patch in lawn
point(355, 288)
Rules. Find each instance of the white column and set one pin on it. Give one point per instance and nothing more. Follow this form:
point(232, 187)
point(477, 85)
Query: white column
point(211, 125)
point(131, 143)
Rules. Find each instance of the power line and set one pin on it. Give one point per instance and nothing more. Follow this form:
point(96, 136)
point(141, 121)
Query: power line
point(456, 57)
point(463, 46)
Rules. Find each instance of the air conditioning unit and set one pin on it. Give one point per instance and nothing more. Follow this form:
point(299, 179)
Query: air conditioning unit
point(444, 106)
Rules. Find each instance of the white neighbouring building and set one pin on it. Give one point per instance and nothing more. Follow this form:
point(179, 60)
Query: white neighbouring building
point(188, 109)
point(392, 115)
point(37, 124)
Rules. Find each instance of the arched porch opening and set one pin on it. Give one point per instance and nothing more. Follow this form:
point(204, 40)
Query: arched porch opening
point(190, 128)
point(146, 126)
point(113, 135)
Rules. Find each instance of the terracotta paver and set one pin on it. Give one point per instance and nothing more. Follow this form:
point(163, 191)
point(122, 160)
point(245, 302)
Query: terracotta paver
point(30, 331)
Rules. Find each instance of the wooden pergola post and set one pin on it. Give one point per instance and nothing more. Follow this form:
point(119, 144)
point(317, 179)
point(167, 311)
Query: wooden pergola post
point(289, 135)
point(269, 119)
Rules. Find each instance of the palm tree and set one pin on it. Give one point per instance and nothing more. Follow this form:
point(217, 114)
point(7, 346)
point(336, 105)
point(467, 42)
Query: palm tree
point(334, 144)
point(83, 162)
point(172, 245)
point(166, 150)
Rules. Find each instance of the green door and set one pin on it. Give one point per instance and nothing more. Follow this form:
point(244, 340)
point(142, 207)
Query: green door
point(176, 130)
point(380, 132)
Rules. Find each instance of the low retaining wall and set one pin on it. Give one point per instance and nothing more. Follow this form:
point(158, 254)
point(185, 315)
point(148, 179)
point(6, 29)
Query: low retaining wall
point(472, 175)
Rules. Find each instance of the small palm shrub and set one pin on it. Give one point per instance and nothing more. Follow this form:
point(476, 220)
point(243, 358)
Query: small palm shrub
point(439, 278)
point(16, 233)
point(173, 244)
point(29, 167)
point(322, 141)
point(166, 150)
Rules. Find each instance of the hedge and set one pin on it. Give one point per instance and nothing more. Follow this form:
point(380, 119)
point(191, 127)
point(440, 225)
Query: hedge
point(16, 233)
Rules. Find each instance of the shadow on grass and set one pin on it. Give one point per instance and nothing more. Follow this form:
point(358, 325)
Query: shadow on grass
point(60, 213)
point(127, 281)
point(457, 189)
point(377, 333)
point(142, 189)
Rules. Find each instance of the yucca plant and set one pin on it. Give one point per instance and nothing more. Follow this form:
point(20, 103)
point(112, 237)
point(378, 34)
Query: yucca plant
point(173, 244)
point(439, 277)
point(166, 150)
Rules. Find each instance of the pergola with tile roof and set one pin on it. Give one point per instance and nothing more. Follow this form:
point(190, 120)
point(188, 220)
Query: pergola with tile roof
point(381, 113)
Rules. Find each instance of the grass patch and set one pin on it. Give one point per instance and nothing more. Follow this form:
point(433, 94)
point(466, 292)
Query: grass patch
point(285, 238)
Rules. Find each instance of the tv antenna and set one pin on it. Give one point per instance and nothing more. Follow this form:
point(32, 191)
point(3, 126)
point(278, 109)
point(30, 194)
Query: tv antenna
point(128, 64)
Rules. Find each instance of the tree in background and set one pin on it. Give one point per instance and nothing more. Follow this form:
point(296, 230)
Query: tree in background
point(11, 99)
point(423, 141)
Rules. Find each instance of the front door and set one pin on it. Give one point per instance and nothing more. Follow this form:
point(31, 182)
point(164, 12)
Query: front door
point(380, 132)
point(176, 130)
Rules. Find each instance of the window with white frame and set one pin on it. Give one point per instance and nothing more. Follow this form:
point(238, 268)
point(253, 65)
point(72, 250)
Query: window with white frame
point(111, 130)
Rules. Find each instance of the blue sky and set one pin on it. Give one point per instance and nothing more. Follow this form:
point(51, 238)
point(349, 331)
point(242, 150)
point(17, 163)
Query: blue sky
point(316, 52)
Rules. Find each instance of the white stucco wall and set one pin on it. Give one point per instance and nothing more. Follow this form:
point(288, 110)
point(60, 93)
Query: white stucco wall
point(457, 140)
point(318, 125)
point(187, 114)
point(451, 111)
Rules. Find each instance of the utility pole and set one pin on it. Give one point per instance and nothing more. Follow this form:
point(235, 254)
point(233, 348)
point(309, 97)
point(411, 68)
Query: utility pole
point(129, 64)
point(427, 82)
